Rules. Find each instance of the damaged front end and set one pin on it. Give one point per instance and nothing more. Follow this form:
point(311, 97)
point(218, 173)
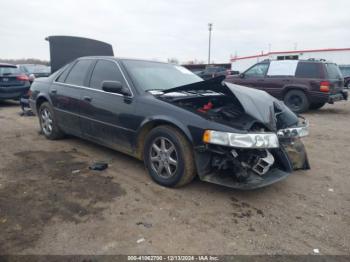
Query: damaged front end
point(265, 143)
point(251, 166)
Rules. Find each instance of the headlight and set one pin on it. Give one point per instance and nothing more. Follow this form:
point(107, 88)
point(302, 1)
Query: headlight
point(299, 131)
point(249, 140)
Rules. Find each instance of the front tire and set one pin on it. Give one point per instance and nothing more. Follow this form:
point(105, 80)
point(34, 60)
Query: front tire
point(168, 157)
point(297, 101)
point(48, 123)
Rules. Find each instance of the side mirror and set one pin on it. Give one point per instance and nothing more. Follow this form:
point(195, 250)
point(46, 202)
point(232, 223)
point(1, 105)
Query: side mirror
point(115, 87)
point(241, 75)
point(31, 77)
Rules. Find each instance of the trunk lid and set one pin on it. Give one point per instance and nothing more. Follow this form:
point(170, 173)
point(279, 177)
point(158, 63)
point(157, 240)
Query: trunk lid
point(65, 49)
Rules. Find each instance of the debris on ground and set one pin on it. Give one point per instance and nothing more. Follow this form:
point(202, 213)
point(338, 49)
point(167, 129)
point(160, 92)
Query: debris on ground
point(316, 251)
point(76, 171)
point(330, 190)
point(140, 240)
point(146, 225)
point(26, 113)
point(99, 166)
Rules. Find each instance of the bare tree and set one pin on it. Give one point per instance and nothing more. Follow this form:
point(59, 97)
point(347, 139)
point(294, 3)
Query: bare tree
point(25, 61)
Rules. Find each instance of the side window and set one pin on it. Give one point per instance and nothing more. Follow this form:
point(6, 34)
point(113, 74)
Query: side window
point(333, 71)
point(308, 70)
point(64, 74)
point(258, 70)
point(78, 73)
point(105, 71)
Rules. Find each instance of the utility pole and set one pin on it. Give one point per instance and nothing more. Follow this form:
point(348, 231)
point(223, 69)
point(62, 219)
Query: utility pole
point(210, 26)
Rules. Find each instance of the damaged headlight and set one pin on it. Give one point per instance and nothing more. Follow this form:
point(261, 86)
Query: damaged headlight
point(299, 131)
point(249, 140)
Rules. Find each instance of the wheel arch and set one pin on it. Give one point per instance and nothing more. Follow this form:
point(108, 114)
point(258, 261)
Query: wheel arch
point(150, 124)
point(288, 88)
point(41, 99)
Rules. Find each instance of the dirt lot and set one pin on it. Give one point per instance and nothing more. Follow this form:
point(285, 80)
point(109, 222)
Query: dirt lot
point(47, 209)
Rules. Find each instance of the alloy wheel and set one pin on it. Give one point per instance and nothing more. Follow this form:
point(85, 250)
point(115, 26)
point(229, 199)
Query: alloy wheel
point(46, 121)
point(164, 157)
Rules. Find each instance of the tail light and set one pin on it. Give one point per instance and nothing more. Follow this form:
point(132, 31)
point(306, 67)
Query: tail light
point(22, 78)
point(324, 86)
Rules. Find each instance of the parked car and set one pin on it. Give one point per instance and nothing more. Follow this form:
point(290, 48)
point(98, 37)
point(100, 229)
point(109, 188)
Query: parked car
point(178, 124)
point(35, 69)
point(13, 83)
point(345, 70)
point(32, 71)
point(301, 84)
point(212, 71)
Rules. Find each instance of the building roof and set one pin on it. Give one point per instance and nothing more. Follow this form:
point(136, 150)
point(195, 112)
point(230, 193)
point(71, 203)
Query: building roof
point(289, 52)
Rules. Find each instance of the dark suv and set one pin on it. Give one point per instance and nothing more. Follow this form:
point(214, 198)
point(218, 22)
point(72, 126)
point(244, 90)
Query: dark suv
point(301, 84)
point(212, 71)
point(13, 83)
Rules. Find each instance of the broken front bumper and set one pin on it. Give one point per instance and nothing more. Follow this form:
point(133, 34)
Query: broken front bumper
point(254, 181)
point(290, 156)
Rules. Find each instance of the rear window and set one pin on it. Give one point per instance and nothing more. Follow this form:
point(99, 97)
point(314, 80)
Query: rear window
point(5, 70)
point(333, 71)
point(78, 73)
point(308, 70)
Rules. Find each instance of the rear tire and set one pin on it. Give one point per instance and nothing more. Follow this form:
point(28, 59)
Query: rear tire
point(297, 101)
point(48, 123)
point(168, 157)
point(316, 106)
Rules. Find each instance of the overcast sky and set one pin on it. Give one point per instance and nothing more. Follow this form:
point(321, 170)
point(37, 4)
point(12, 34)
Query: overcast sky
point(161, 29)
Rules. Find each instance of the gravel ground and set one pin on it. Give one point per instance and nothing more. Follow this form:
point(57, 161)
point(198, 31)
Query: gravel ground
point(48, 207)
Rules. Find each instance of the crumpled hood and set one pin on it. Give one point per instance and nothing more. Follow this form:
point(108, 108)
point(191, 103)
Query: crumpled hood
point(256, 103)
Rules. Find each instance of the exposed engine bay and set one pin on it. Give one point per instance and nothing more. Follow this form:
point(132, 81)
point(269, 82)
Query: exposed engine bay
point(217, 107)
point(248, 113)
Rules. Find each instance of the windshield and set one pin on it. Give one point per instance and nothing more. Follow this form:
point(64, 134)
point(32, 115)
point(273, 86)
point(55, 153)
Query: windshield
point(34, 69)
point(159, 76)
point(6, 70)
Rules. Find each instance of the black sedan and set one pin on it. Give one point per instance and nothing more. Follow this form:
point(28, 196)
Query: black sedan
point(178, 124)
point(13, 83)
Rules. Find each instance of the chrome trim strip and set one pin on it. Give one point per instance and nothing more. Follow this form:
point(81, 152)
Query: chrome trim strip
point(91, 119)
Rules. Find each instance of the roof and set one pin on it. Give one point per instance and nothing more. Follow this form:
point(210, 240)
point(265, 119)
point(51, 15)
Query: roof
point(122, 58)
point(290, 52)
point(7, 65)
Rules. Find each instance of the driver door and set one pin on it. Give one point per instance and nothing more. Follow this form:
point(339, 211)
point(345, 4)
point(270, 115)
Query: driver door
point(106, 116)
point(254, 76)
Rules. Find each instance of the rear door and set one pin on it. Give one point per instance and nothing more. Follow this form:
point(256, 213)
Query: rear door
point(107, 117)
point(280, 74)
point(66, 92)
point(335, 77)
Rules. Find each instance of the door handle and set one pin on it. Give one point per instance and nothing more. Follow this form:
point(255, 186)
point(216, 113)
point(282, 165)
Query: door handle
point(53, 91)
point(87, 98)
